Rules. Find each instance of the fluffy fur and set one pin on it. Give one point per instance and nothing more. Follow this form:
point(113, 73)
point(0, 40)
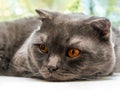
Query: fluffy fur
point(59, 32)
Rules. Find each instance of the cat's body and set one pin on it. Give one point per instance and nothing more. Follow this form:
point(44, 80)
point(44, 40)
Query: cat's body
point(88, 39)
point(116, 42)
point(12, 36)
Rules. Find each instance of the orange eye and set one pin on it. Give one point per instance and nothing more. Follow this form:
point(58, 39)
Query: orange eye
point(43, 48)
point(73, 52)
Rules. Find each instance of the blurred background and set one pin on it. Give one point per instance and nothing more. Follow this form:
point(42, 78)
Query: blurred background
point(14, 9)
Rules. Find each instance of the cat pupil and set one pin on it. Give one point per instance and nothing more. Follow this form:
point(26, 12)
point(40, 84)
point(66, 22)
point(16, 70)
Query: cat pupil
point(73, 51)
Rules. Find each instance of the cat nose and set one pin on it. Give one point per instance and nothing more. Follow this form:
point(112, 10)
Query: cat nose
point(52, 68)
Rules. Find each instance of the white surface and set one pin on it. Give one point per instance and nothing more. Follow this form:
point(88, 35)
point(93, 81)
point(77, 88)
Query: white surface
point(15, 83)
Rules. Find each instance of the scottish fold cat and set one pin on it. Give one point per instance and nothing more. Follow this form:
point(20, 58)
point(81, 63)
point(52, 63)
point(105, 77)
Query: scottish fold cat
point(64, 47)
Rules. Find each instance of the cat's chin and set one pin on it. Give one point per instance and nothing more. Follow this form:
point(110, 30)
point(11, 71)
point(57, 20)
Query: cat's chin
point(51, 77)
point(70, 77)
point(56, 77)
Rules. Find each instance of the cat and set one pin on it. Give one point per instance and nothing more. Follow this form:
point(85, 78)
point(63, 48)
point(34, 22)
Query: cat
point(65, 47)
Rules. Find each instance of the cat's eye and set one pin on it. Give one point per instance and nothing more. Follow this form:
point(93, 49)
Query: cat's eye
point(43, 48)
point(72, 53)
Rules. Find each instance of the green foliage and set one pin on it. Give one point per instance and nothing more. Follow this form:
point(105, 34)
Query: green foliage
point(13, 9)
point(73, 6)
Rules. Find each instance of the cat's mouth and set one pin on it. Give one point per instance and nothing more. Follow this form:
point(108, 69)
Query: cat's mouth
point(60, 76)
point(57, 76)
point(51, 76)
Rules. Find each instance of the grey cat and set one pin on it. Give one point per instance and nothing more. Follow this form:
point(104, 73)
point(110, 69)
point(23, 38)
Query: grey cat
point(64, 47)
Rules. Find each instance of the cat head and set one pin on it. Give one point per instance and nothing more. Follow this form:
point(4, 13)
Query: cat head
point(72, 46)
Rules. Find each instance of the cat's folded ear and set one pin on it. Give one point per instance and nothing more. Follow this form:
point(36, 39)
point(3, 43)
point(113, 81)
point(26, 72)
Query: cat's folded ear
point(102, 25)
point(44, 15)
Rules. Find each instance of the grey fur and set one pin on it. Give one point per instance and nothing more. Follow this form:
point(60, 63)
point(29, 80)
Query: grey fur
point(91, 35)
point(13, 35)
point(116, 42)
